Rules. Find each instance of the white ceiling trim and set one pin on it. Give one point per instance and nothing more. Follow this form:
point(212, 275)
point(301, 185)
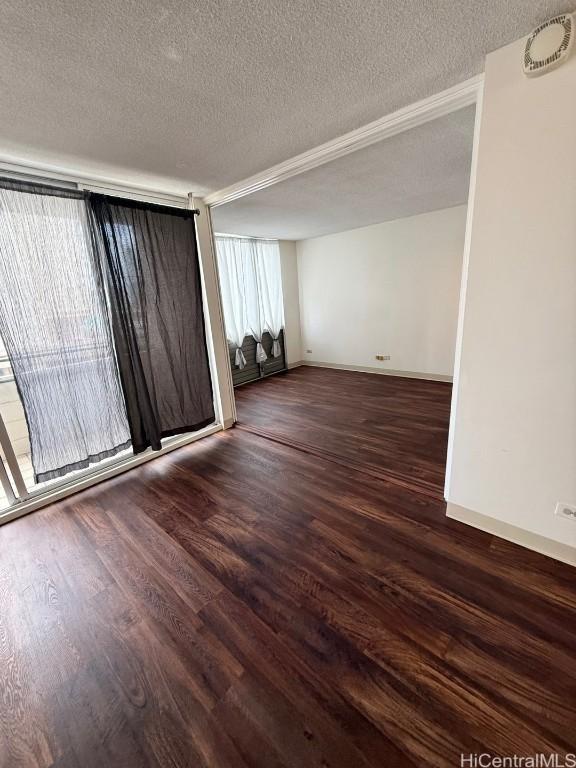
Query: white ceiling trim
point(452, 99)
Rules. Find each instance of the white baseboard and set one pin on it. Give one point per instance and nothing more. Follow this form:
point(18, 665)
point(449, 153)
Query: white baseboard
point(381, 371)
point(297, 364)
point(533, 541)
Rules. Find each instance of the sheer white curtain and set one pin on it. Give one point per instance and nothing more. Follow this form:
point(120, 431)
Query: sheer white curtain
point(54, 324)
point(251, 286)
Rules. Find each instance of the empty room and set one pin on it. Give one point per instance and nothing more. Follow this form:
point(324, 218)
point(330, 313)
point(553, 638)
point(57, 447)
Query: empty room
point(287, 384)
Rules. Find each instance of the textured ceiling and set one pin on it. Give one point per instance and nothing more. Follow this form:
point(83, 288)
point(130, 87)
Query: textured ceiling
point(202, 94)
point(420, 170)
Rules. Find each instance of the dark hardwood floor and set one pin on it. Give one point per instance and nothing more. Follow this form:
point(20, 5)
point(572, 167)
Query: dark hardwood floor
point(244, 603)
point(387, 426)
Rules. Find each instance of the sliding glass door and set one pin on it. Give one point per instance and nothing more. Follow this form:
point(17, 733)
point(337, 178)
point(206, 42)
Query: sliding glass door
point(15, 466)
point(103, 349)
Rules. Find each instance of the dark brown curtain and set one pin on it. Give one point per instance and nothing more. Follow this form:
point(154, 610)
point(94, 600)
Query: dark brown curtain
point(149, 261)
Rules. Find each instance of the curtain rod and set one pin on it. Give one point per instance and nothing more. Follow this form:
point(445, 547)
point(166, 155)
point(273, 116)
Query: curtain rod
point(68, 181)
point(30, 178)
point(68, 186)
point(246, 237)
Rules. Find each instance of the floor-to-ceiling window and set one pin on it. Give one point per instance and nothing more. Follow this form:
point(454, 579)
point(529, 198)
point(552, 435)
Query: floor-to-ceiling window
point(103, 348)
point(251, 288)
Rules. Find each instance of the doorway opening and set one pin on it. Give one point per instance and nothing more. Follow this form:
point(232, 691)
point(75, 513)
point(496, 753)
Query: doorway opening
point(373, 250)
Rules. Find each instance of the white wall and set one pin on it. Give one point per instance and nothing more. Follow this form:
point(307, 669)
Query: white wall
point(388, 289)
point(514, 438)
point(289, 267)
point(216, 335)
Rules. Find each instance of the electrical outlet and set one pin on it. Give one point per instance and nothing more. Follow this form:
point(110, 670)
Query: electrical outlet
point(308, 351)
point(382, 357)
point(567, 511)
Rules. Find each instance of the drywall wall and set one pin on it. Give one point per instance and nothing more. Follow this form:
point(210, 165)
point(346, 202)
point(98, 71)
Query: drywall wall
point(513, 452)
point(289, 268)
point(388, 289)
point(216, 335)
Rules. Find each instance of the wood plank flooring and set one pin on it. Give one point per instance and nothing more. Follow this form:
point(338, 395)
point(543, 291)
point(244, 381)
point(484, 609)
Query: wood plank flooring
point(387, 426)
point(240, 603)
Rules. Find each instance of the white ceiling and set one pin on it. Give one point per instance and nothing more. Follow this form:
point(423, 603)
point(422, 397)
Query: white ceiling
point(196, 95)
point(420, 170)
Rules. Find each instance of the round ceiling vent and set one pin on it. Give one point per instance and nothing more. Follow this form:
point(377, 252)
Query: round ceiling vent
point(549, 45)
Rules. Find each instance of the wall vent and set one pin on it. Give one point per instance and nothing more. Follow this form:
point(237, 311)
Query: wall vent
point(549, 45)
